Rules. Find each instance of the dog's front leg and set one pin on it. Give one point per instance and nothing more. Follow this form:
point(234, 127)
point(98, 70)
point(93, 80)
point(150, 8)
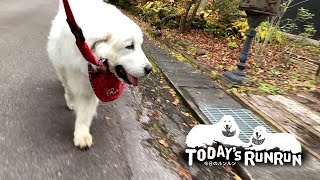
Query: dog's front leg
point(85, 108)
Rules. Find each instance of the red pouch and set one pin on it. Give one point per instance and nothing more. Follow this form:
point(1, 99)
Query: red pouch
point(105, 84)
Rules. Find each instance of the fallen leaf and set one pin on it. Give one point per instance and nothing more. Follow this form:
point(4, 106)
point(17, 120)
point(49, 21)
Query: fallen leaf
point(158, 100)
point(236, 177)
point(184, 174)
point(159, 114)
point(163, 143)
point(172, 92)
point(194, 123)
point(150, 113)
point(185, 124)
point(154, 71)
point(107, 118)
point(185, 113)
point(176, 102)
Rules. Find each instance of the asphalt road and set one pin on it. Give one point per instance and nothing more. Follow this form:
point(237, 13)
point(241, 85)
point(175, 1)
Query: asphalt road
point(36, 129)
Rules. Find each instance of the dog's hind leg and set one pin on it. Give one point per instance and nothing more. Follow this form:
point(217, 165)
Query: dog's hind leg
point(85, 110)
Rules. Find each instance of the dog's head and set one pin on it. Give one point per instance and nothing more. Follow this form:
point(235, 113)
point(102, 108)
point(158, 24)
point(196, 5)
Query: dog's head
point(259, 132)
point(259, 135)
point(120, 45)
point(229, 126)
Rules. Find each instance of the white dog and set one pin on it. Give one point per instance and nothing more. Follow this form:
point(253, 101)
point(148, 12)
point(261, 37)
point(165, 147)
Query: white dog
point(262, 140)
point(111, 36)
point(229, 132)
point(226, 131)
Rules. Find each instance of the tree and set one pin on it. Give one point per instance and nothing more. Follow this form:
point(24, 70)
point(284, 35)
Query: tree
point(186, 20)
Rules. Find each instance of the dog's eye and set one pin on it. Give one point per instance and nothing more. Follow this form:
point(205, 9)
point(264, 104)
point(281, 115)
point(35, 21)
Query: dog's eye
point(130, 46)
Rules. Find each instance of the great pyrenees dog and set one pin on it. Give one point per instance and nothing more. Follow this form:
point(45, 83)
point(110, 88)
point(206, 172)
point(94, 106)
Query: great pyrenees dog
point(111, 36)
point(262, 140)
point(229, 132)
point(226, 131)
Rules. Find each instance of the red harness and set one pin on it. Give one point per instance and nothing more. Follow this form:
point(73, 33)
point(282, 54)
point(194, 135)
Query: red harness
point(105, 84)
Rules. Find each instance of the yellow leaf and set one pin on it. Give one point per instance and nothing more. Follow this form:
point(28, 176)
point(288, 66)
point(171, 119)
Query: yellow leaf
point(263, 35)
point(148, 5)
point(163, 143)
point(176, 102)
point(154, 71)
point(206, 14)
point(185, 113)
point(236, 177)
point(172, 92)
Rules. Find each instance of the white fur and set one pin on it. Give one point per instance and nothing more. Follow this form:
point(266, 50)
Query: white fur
point(114, 31)
point(202, 135)
point(283, 141)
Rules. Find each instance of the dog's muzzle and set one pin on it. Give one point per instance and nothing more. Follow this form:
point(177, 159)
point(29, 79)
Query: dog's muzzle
point(228, 133)
point(129, 79)
point(257, 141)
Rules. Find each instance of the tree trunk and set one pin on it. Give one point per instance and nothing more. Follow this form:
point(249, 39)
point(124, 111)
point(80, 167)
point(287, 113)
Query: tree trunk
point(194, 12)
point(183, 21)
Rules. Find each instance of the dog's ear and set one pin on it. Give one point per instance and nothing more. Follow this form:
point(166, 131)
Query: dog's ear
point(94, 42)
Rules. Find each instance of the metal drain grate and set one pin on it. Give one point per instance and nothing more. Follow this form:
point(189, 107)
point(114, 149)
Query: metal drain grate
point(243, 117)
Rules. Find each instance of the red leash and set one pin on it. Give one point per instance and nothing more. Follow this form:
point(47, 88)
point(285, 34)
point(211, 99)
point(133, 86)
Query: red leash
point(80, 40)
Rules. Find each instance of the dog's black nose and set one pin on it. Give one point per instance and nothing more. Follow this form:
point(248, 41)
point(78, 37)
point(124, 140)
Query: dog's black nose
point(148, 69)
point(257, 133)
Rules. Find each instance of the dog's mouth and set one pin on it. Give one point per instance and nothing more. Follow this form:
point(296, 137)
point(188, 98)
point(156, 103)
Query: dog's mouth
point(257, 141)
point(127, 78)
point(228, 133)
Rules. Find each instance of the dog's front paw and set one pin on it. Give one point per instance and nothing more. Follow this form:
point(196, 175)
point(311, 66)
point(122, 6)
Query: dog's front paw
point(82, 140)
